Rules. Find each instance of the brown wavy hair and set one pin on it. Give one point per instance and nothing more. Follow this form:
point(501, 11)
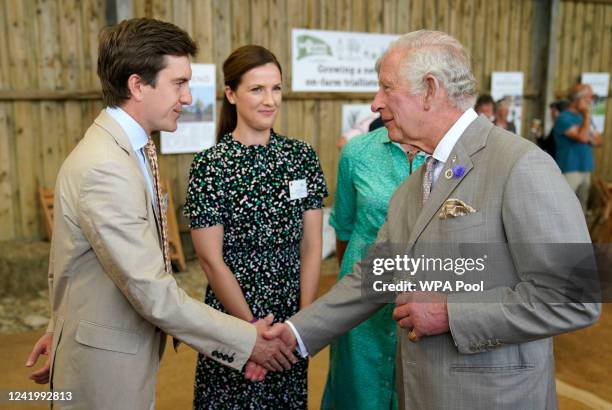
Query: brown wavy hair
point(137, 46)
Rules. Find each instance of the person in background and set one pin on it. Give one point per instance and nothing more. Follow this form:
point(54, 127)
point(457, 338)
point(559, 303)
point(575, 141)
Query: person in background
point(574, 139)
point(376, 124)
point(557, 107)
point(485, 105)
point(502, 108)
point(362, 362)
point(254, 201)
point(359, 127)
point(547, 143)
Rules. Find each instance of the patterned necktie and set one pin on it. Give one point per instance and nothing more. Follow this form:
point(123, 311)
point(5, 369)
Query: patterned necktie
point(430, 164)
point(152, 157)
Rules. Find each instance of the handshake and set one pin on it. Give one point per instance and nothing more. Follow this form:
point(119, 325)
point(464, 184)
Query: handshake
point(273, 349)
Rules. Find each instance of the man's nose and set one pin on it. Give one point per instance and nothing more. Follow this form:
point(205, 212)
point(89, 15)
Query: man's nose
point(186, 98)
point(377, 103)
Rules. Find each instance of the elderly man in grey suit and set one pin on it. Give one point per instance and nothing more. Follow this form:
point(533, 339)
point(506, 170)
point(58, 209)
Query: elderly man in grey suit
point(113, 296)
point(460, 350)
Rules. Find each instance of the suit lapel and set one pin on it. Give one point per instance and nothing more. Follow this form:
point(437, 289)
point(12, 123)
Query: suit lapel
point(471, 141)
point(440, 192)
point(108, 123)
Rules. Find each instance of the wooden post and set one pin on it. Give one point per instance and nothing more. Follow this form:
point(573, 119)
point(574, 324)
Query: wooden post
point(118, 10)
point(549, 89)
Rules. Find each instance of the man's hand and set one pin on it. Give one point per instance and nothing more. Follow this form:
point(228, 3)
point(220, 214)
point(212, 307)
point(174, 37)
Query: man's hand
point(422, 313)
point(283, 332)
point(254, 372)
point(584, 106)
point(43, 346)
point(597, 140)
point(271, 353)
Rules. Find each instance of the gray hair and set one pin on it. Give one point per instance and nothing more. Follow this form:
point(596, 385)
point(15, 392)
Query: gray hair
point(579, 90)
point(503, 102)
point(440, 55)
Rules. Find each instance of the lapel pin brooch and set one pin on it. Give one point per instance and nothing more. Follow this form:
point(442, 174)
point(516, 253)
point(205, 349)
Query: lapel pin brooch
point(456, 172)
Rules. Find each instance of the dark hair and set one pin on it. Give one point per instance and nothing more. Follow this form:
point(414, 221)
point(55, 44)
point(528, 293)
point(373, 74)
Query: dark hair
point(137, 46)
point(235, 66)
point(484, 99)
point(560, 105)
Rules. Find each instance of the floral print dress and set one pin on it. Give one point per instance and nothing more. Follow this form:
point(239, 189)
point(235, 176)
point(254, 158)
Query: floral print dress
point(259, 194)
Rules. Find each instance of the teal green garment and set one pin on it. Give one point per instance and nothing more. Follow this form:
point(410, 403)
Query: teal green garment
point(362, 362)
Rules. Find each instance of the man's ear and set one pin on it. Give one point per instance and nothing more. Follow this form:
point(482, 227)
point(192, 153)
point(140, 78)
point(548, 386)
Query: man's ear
point(136, 85)
point(432, 88)
point(229, 94)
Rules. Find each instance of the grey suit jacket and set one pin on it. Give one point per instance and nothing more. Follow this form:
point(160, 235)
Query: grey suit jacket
point(497, 355)
point(111, 298)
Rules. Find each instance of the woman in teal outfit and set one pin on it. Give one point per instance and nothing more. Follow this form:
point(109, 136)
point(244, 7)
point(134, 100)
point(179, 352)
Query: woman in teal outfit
point(362, 362)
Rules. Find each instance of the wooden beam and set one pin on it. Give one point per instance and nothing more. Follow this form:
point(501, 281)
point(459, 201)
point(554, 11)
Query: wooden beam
point(49, 95)
point(58, 95)
point(118, 10)
point(589, 1)
point(54, 95)
point(551, 58)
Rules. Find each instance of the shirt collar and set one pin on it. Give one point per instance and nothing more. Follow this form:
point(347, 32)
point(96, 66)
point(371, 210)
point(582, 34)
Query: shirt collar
point(382, 135)
point(448, 141)
point(134, 131)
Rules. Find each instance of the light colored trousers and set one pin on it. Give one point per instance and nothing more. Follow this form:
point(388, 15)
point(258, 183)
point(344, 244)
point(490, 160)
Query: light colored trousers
point(580, 182)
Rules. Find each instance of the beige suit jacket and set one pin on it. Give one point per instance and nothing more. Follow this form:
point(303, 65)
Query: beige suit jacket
point(498, 353)
point(111, 300)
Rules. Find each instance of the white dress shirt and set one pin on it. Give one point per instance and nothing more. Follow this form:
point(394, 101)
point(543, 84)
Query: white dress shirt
point(138, 139)
point(448, 141)
point(441, 154)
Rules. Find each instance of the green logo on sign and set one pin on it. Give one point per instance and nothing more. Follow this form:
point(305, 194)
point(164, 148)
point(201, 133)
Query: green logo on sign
point(312, 46)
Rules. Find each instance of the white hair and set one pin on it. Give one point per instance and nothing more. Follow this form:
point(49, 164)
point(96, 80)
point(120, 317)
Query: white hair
point(440, 55)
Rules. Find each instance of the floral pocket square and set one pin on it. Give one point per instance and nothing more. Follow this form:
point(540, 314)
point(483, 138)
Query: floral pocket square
point(453, 208)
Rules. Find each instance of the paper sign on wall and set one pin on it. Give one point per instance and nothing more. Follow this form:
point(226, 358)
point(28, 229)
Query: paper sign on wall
point(600, 83)
point(509, 85)
point(337, 61)
point(196, 125)
point(356, 119)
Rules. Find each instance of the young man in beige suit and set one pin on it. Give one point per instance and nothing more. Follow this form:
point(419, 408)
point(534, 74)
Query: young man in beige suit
point(483, 187)
point(112, 293)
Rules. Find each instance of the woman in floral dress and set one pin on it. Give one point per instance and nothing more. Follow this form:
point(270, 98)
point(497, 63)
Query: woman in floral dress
point(254, 201)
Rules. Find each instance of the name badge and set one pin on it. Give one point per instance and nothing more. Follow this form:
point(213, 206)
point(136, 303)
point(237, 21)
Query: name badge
point(298, 189)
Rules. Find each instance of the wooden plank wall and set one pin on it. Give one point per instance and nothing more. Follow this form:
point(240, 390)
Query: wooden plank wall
point(45, 45)
point(51, 46)
point(584, 41)
point(221, 26)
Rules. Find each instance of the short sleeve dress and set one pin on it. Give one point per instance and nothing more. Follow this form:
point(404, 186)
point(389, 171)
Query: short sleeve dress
point(259, 194)
point(362, 361)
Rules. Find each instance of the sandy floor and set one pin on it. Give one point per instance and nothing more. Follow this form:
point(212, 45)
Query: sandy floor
point(584, 360)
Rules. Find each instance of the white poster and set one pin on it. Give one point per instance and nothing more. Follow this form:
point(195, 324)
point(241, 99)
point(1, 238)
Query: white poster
point(337, 61)
point(196, 125)
point(356, 119)
point(509, 85)
point(600, 83)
